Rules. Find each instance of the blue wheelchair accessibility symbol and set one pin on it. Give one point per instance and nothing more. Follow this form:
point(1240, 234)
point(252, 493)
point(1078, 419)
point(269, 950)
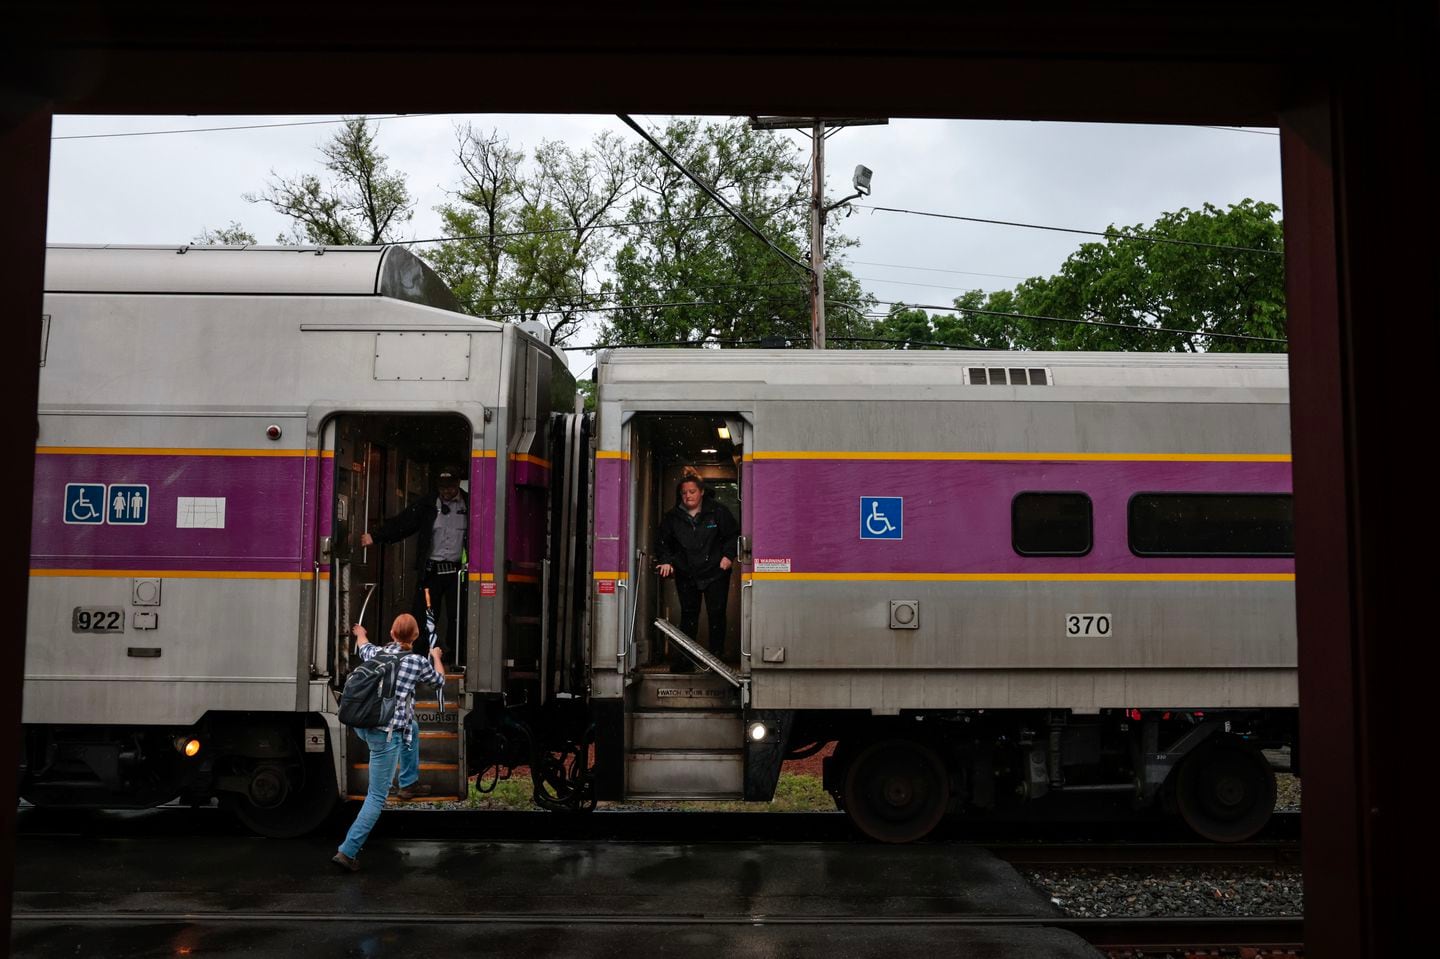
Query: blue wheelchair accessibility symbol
point(882, 517)
point(85, 503)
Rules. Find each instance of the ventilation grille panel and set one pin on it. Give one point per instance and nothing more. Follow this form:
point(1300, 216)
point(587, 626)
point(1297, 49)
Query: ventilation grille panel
point(1008, 376)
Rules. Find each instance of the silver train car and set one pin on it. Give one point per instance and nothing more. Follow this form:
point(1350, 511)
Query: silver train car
point(217, 429)
point(991, 580)
point(986, 588)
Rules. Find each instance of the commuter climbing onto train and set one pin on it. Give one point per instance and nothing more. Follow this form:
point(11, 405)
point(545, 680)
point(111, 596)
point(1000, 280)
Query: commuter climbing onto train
point(697, 544)
point(442, 522)
point(387, 742)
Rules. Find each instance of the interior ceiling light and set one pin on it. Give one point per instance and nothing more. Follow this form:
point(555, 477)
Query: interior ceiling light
point(723, 432)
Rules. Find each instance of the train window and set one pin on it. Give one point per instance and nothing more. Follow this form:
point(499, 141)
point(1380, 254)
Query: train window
point(1212, 524)
point(1037, 377)
point(1051, 524)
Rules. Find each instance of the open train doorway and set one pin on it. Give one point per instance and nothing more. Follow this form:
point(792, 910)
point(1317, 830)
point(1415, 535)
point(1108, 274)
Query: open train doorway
point(665, 451)
point(383, 465)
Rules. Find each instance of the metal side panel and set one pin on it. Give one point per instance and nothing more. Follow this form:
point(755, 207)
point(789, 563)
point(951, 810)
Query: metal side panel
point(675, 729)
point(685, 775)
point(685, 691)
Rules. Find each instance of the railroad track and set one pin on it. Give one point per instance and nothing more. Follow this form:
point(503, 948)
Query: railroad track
point(1274, 853)
point(1176, 934)
point(1143, 934)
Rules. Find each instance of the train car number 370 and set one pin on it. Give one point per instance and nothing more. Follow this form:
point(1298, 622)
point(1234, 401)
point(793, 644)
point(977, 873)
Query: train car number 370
point(1087, 624)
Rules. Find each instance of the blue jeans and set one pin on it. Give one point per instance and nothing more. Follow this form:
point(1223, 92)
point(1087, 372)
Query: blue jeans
point(384, 755)
point(410, 756)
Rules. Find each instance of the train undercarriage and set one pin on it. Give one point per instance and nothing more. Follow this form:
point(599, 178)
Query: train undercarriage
point(275, 773)
point(897, 779)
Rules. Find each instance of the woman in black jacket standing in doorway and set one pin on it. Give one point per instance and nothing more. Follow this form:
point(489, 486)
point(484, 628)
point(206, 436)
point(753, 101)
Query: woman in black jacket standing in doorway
point(697, 545)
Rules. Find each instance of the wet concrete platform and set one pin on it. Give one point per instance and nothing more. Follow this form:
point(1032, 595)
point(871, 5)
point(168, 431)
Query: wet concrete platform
point(236, 896)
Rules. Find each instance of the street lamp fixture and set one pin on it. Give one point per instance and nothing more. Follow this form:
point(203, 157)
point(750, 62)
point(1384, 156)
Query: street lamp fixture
point(861, 184)
point(861, 180)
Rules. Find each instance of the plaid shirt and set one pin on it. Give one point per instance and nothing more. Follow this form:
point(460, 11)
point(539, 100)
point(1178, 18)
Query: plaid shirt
point(414, 668)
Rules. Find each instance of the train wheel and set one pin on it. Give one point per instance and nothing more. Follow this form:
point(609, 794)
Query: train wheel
point(1225, 790)
point(283, 804)
point(896, 790)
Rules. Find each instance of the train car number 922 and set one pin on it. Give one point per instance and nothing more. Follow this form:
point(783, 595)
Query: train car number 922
point(1087, 624)
point(97, 619)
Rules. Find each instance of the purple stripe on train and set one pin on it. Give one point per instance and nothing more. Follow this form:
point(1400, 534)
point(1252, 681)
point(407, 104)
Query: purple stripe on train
point(612, 514)
point(957, 513)
point(524, 472)
point(263, 508)
point(319, 499)
point(482, 520)
point(747, 518)
point(274, 507)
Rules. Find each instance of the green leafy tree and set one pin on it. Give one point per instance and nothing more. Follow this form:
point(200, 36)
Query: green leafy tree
point(586, 388)
point(232, 235)
point(687, 272)
point(531, 239)
point(361, 202)
point(1199, 272)
point(485, 207)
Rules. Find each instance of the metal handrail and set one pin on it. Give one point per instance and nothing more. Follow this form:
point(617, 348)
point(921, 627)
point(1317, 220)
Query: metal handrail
point(700, 653)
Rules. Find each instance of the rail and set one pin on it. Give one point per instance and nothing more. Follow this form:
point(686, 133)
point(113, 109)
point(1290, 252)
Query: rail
point(700, 654)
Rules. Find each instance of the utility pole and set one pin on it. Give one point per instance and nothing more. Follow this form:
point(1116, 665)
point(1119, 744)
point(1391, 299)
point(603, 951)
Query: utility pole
point(815, 127)
point(817, 238)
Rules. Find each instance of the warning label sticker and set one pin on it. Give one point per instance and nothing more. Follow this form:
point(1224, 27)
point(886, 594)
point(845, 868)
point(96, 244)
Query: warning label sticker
point(605, 586)
point(772, 564)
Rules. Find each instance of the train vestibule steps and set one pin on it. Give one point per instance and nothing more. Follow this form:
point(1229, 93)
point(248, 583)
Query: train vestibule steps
point(442, 757)
point(684, 731)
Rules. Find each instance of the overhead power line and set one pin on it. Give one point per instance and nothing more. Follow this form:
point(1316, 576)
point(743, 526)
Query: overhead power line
point(599, 309)
point(582, 299)
point(1268, 133)
point(936, 269)
point(1066, 319)
point(248, 126)
point(570, 229)
point(932, 286)
point(1110, 234)
point(904, 342)
point(694, 344)
point(711, 192)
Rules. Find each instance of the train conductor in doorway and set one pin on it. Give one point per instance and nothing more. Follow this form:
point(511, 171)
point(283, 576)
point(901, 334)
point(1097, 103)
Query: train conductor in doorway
point(442, 522)
point(697, 544)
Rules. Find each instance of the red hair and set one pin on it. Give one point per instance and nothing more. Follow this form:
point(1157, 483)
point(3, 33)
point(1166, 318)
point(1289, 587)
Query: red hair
point(405, 630)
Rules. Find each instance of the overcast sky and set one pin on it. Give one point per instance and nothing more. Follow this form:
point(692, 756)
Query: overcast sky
point(167, 188)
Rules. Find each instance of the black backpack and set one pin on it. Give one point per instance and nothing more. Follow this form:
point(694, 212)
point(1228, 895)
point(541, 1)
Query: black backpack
point(368, 700)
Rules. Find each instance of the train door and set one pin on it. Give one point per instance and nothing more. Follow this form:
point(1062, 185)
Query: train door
point(382, 464)
point(685, 699)
point(664, 449)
